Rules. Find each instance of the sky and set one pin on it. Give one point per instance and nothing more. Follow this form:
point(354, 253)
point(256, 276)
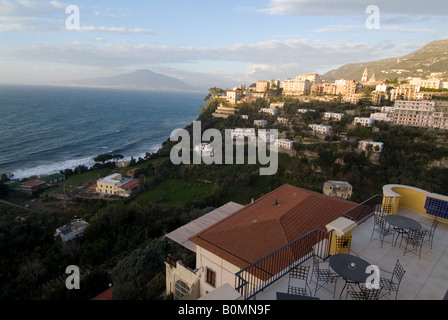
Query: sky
point(208, 43)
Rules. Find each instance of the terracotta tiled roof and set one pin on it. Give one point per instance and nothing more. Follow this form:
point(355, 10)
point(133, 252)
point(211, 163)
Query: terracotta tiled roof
point(131, 184)
point(262, 227)
point(34, 183)
point(105, 296)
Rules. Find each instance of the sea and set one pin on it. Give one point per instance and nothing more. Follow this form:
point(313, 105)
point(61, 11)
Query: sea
point(45, 129)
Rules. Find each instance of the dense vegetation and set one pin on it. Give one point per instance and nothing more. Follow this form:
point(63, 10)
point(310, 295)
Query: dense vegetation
point(124, 243)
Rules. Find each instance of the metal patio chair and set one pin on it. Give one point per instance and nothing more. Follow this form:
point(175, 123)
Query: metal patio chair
point(323, 276)
point(414, 239)
point(392, 282)
point(381, 229)
point(430, 232)
point(363, 293)
point(298, 281)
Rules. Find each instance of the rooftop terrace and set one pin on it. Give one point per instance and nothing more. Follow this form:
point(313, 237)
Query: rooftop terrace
point(425, 278)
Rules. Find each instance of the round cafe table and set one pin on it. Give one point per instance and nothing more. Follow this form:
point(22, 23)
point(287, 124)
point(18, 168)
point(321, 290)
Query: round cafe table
point(349, 267)
point(402, 224)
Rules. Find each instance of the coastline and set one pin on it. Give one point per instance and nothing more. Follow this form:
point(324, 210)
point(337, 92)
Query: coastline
point(46, 129)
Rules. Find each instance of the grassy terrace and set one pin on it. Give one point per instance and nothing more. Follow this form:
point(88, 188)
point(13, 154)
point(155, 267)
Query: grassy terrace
point(175, 193)
point(80, 180)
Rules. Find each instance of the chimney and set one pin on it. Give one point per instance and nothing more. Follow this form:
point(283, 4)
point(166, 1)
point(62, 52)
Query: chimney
point(275, 202)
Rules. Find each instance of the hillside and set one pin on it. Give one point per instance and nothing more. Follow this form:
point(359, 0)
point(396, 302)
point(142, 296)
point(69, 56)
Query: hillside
point(431, 58)
point(141, 79)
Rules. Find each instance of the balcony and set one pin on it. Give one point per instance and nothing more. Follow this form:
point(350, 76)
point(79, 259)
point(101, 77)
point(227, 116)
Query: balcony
point(425, 278)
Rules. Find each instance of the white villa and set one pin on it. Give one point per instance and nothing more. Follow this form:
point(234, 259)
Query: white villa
point(71, 230)
point(321, 129)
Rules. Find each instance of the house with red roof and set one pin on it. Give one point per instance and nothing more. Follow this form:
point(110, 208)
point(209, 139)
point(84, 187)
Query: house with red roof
point(115, 184)
point(252, 233)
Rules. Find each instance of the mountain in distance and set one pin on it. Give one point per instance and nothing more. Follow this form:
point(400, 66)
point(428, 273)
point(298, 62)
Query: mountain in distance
point(421, 63)
point(138, 80)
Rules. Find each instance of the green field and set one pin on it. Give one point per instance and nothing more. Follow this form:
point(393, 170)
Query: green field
point(79, 180)
point(176, 192)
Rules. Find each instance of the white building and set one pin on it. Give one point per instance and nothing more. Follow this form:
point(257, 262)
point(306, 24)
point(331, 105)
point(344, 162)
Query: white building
point(321, 129)
point(115, 184)
point(333, 116)
point(305, 110)
point(382, 87)
point(277, 105)
point(204, 149)
point(414, 113)
point(376, 146)
point(260, 123)
point(284, 143)
point(364, 121)
point(283, 120)
point(71, 230)
point(272, 112)
point(387, 109)
point(381, 116)
point(338, 189)
point(233, 96)
point(295, 86)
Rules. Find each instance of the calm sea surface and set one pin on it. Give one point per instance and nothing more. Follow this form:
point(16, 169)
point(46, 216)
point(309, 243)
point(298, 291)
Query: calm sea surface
point(46, 129)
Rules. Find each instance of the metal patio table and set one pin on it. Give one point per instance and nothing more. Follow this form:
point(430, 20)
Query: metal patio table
point(402, 224)
point(351, 268)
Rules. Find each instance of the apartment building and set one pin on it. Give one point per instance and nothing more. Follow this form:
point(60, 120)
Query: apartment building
point(382, 87)
point(115, 184)
point(262, 86)
point(284, 143)
point(305, 110)
point(260, 123)
point(277, 105)
point(432, 83)
point(364, 121)
point(414, 113)
point(295, 86)
point(204, 149)
point(440, 116)
point(323, 88)
point(338, 189)
point(409, 92)
point(376, 146)
point(283, 120)
point(271, 111)
point(333, 116)
point(311, 77)
point(381, 116)
point(321, 129)
point(346, 87)
point(233, 96)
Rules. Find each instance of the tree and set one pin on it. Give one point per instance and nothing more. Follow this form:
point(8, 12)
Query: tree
point(107, 157)
point(3, 190)
point(132, 274)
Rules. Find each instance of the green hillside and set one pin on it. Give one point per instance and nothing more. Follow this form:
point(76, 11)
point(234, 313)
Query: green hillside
point(421, 63)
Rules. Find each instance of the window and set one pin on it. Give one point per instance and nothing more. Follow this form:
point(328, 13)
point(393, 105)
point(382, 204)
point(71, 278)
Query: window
point(211, 277)
point(181, 289)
